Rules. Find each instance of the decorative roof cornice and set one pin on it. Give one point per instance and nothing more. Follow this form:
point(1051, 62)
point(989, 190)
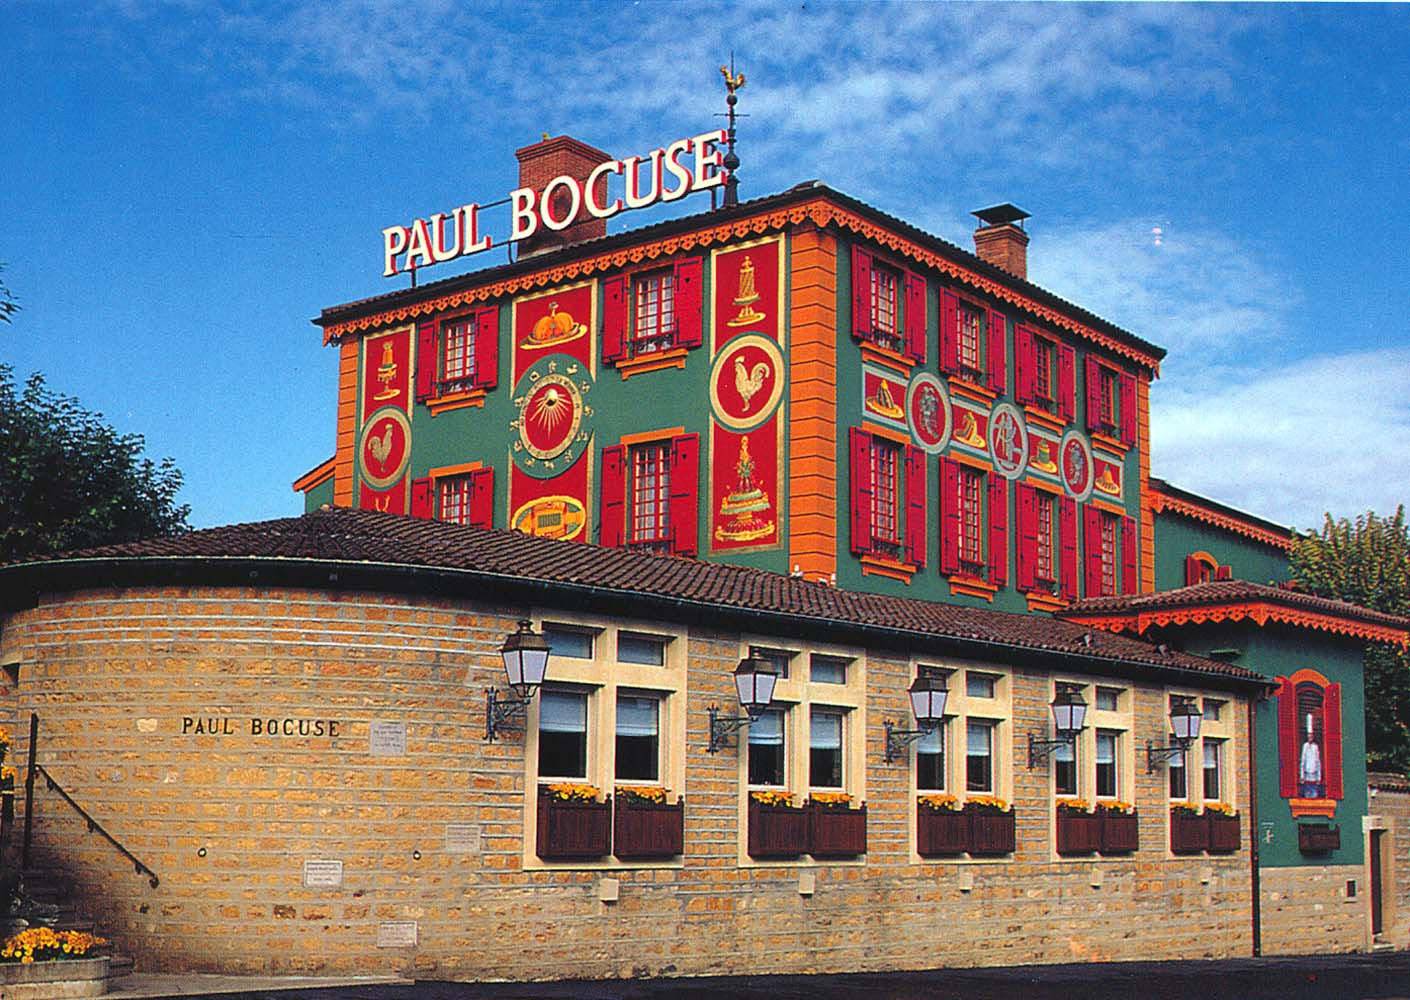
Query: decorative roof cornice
point(1164, 498)
point(1138, 622)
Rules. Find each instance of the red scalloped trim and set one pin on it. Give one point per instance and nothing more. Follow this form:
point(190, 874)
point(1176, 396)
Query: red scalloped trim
point(1260, 612)
point(1163, 501)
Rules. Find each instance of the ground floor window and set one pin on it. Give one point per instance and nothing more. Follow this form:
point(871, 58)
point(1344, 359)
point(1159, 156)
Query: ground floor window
point(979, 756)
point(638, 738)
point(563, 734)
point(767, 765)
point(825, 749)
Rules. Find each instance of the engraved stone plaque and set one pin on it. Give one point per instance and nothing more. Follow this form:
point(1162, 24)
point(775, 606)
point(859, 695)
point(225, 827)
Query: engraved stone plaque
point(319, 874)
point(396, 934)
point(462, 838)
point(387, 739)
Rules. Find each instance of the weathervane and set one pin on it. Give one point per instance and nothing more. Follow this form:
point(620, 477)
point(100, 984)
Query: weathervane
point(733, 81)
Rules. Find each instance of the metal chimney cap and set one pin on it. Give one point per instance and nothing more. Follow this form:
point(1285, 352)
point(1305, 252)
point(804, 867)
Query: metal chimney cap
point(1001, 215)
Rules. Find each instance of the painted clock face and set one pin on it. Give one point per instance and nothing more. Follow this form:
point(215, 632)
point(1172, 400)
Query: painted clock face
point(928, 412)
point(1008, 440)
point(385, 448)
point(1075, 465)
point(553, 419)
point(746, 382)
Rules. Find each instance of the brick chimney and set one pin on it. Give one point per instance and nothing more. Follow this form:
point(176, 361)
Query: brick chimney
point(1000, 238)
point(550, 158)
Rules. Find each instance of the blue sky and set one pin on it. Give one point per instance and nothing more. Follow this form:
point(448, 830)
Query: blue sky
point(185, 185)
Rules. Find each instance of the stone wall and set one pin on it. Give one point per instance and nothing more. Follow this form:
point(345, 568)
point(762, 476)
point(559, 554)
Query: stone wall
point(149, 700)
point(1390, 812)
point(1307, 910)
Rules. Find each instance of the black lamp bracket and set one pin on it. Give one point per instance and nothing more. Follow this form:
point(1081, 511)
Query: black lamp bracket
point(1165, 755)
point(1039, 749)
point(722, 726)
point(898, 739)
point(501, 709)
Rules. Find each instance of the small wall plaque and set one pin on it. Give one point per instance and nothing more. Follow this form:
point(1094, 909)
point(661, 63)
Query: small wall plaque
point(397, 934)
point(462, 838)
point(320, 874)
point(387, 739)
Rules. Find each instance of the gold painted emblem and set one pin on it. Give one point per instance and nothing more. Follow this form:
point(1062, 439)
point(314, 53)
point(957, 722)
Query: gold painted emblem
point(883, 403)
point(968, 432)
point(386, 372)
point(748, 381)
point(743, 505)
point(745, 296)
point(558, 516)
point(1106, 483)
point(553, 329)
point(1043, 459)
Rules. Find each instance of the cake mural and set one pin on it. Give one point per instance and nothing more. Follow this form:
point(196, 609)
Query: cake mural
point(746, 295)
point(745, 506)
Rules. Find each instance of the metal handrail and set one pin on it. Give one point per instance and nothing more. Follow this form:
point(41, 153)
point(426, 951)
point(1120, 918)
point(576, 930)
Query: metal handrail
point(93, 825)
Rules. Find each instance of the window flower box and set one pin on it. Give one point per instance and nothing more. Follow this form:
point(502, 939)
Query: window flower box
point(835, 829)
point(1078, 831)
point(1121, 832)
point(1318, 838)
point(991, 826)
point(776, 828)
point(646, 826)
point(1189, 831)
point(942, 828)
point(1223, 828)
point(572, 824)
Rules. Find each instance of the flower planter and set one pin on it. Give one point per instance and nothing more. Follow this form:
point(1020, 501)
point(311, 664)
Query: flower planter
point(1318, 838)
point(643, 830)
point(941, 832)
point(1189, 833)
point(1121, 832)
point(990, 833)
point(777, 831)
point(1223, 833)
point(75, 977)
point(836, 831)
point(1078, 832)
point(574, 830)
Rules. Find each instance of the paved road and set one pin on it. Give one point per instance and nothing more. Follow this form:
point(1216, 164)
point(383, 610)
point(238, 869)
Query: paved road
point(1382, 976)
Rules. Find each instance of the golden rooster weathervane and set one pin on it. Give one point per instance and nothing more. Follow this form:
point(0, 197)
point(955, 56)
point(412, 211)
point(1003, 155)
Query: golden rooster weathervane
point(732, 81)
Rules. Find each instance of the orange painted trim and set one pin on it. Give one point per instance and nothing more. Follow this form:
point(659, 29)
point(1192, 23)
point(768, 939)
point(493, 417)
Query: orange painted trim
point(1110, 508)
point(972, 586)
point(655, 362)
point(446, 471)
point(1146, 576)
point(456, 401)
point(890, 433)
point(812, 377)
point(1308, 674)
point(1259, 612)
point(820, 211)
point(892, 569)
point(1044, 485)
point(983, 465)
point(346, 437)
point(1161, 502)
point(316, 476)
point(886, 357)
point(1114, 445)
point(1313, 807)
point(1039, 601)
point(972, 390)
point(1042, 418)
point(645, 437)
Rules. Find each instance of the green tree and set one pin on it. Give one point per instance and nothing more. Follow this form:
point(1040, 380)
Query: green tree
point(8, 305)
point(1367, 562)
point(69, 481)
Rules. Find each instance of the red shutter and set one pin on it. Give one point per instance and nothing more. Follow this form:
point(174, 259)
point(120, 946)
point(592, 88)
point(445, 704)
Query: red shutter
point(1024, 359)
point(915, 317)
point(1092, 552)
point(1027, 577)
point(949, 331)
point(915, 506)
point(1094, 394)
point(487, 347)
point(1224, 573)
point(1130, 551)
point(615, 302)
point(482, 498)
point(689, 324)
point(422, 498)
point(949, 516)
point(1331, 739)
point(685, 494)
point(1287, 739)
point(1067, 532)
point(1193, 568)
point(860, 479)
point(998, 529)
point(1127, 390)
point(613, 512)
point(998, 341)
point(1067, 382)
point(426, 360)
point(861, 294)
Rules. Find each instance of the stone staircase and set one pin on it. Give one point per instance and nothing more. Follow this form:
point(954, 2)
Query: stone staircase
point(54, 888)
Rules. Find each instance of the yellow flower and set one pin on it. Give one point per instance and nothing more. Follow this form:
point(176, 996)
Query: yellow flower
point(939, 802)
point(772, 798)
point(1116, 806)
point(831, 798)
point(987, 802)
point(567, 791)
point(1074, 805)
point(1223, 808)
point(642, 793)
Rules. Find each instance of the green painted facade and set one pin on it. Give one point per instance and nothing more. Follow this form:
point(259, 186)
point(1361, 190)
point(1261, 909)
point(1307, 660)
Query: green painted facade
point(1178, 536)
point(318, 496)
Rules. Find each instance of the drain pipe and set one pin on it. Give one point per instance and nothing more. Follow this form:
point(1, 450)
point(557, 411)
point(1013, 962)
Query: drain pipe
point(1253, 825)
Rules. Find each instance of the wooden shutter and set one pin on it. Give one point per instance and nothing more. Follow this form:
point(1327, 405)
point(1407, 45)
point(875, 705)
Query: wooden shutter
point(861, 294)
point(1094, 394)
point(423, 498)
point(1092, 551)
point(1130, 552)
point(1224, 573)
point(487, 347)
point(1067, 532)
point(1193, 568)
point(685, 494)
point(998, 342)
point(1027, 577)
point(482, 498)
point(1287, 739)
point(949, 516)
point(612, 514)
point(998, 529)
point(689, 317)
point(949, 332)
point(916, 521)
point(427, 360)
point(1067, 382)
point(860, 479)
point(1331, 739)
point(915, 317)
point(1127, 392)
point(1025, 358)
point(615, 303)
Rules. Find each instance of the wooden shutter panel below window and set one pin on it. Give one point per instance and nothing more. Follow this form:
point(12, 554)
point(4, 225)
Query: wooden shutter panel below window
point(426, 360)
point(685, 494)
point(1288, 743)
point(482, 498)
point(688, 303)
point(1331, 739)
point(422, 498)
point(859, 476)
point(612, 514)
point(615, 303)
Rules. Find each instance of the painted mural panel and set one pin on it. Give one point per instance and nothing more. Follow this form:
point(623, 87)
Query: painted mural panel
point(559, 321)
point(747, 291)
point(550, 477)
point(1108, 476)
point(384, 443)
point(928, 412)
point(883, 393)
point(744, 475)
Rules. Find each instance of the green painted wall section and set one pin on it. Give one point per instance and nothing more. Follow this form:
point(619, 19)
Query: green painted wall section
point(1177, 536)
point(318, 496)
point(1279, 651)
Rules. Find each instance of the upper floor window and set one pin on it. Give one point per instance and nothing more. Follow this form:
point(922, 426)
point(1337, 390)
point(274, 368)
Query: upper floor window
point(453, 500)
point(575, 643)
point(827, 669)
point(971, 507)
point(651, 495)
point(1213, 769)
point(885, 307)
point(1108, 699)
point(1179, 786)
point(1045, 562)
point(888, 498)
point(1108, 555)
point(1044, 365)
point(888, 306)
point(971, 339)
point(651, 311)
point(1107, 786)
point(1065, 781)
point(980, 685)
point(779, 659)
point(1214, 709)
point(885, 496)
point(1111, 401)
point(1045, 373)
point(1106, 411)
point(457, 354)
point(457, 494)
point(648, 650)
point(930, 759)
point(654, 328)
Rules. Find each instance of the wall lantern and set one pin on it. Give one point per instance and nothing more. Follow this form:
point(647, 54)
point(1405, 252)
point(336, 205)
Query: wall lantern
point(1069, 719)
point(754, 681)
point(1185, 719)
point(525, 655)
point(928, 694)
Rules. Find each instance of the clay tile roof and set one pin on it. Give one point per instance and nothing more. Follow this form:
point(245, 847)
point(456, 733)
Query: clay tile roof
point(354, 539)
point(1388, 782)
